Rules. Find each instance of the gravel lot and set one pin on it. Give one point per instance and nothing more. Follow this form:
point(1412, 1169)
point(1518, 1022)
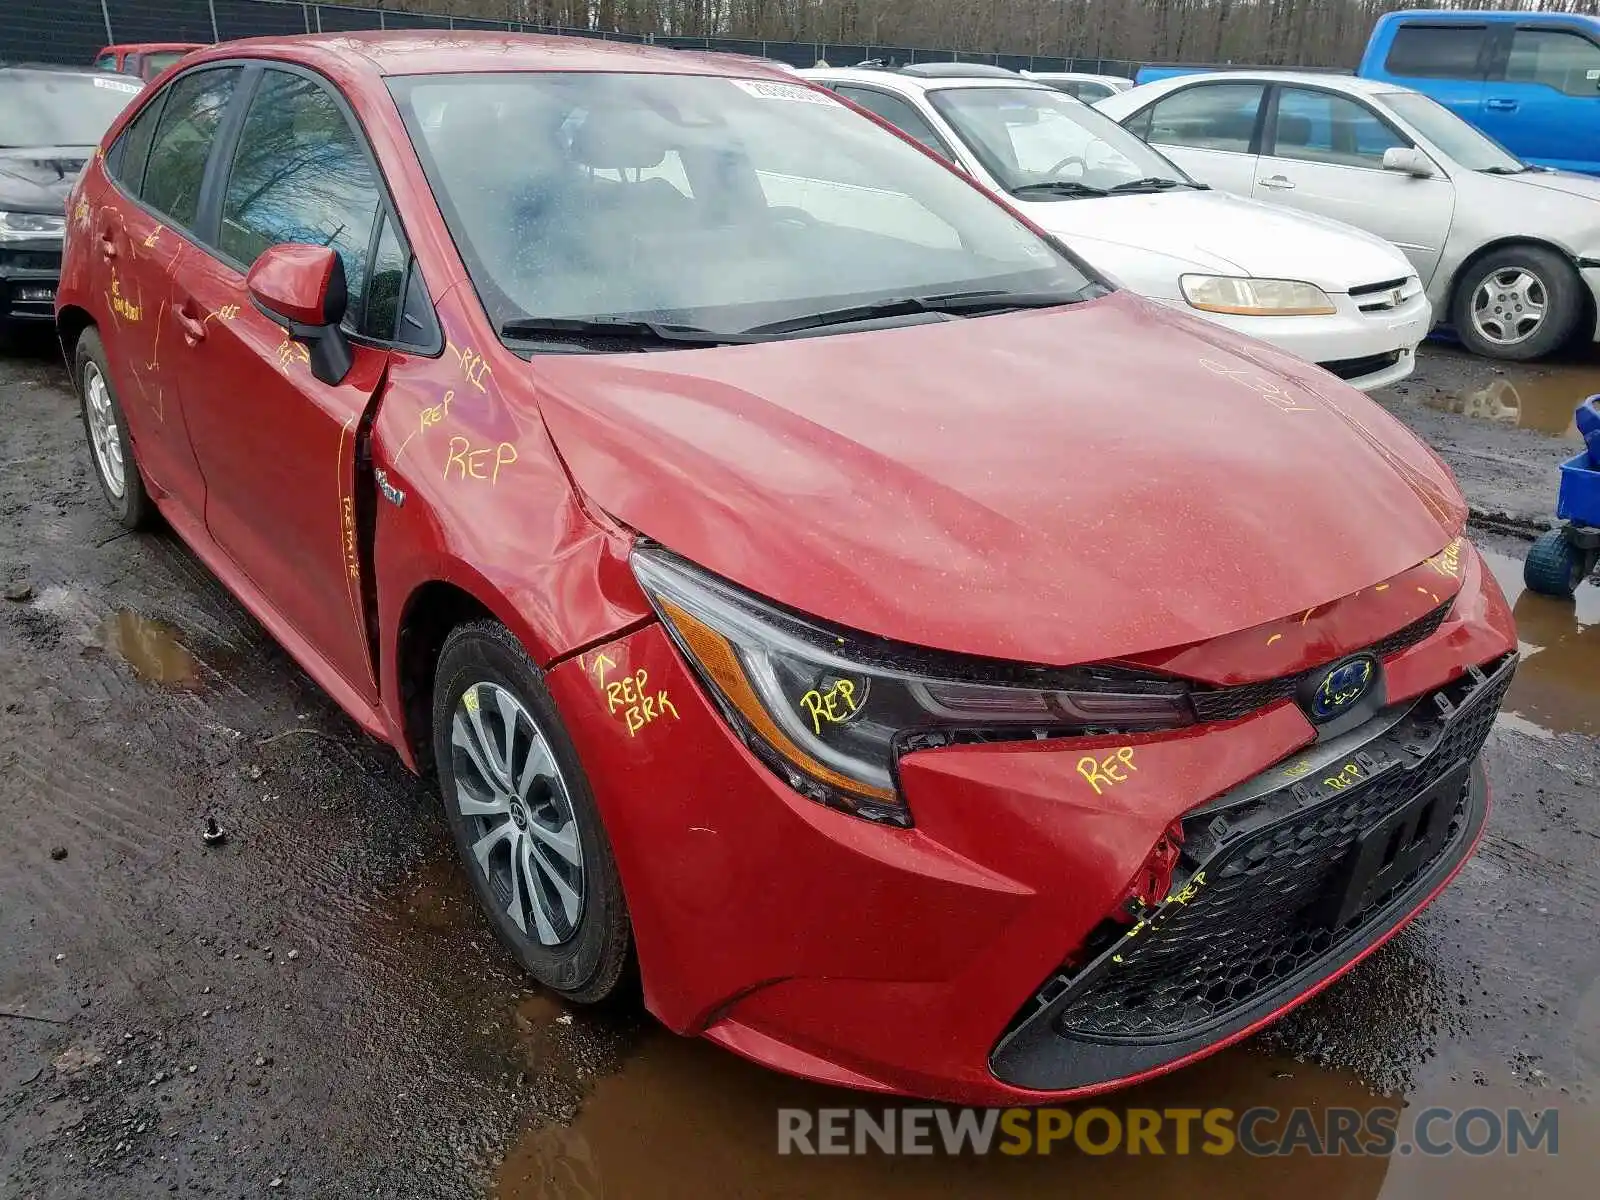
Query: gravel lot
point(312, 1008)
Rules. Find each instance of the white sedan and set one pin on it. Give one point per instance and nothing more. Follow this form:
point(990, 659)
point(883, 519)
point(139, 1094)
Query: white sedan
point(1332, 295)
point(1510, 253)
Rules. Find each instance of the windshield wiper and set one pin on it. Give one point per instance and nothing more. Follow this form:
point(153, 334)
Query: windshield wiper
point(1057, 187)
point(632, 330)
point(1519, 170)
point(969, 303)
point(1154, 183)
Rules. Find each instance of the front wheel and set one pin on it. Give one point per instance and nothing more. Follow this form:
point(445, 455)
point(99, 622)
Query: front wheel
point(1554, 566)
point(1517, 303)
point(523, 817)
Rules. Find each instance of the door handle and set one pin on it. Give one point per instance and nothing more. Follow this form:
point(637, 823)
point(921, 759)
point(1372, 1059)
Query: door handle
point(194, 328)
point(1500, 104)
point(108, 244)
point(1277, 182)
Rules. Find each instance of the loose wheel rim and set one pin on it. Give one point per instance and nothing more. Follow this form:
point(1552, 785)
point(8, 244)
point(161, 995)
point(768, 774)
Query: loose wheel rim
point(104, 435)
point(1509, 306)
point(518, 810)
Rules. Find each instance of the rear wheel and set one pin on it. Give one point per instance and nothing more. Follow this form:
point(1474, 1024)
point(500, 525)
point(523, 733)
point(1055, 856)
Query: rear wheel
point(110, 448)
point(1554, 566)
point(523, 817)
point(1517, 303)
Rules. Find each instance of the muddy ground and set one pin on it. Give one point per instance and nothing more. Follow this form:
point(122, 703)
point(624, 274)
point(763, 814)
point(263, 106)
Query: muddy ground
point(312, 1008)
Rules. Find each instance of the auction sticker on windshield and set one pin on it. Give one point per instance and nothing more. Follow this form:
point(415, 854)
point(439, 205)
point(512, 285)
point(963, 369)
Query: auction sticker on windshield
point(117, 85)
point(781, 91)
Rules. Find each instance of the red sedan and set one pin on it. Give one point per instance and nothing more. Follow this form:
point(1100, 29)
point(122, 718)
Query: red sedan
point(931, 668)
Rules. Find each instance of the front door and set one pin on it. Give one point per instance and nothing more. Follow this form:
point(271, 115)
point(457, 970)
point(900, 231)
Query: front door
point(1322, 153)
point(1544, 103)
point(277, 446)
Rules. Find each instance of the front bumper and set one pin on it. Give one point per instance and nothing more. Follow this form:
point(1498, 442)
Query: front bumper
point(1367, 350)
point(30, 272)
point(913, 960)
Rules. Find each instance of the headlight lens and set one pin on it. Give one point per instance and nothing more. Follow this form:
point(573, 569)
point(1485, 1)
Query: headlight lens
point(830, 711)
point(1256, 297)
point(24, 226)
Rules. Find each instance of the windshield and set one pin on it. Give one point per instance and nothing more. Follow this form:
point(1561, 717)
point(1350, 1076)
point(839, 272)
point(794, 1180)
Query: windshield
point(50, 109)
point(1454, 137)
point(1031, 137)
point(722, 204)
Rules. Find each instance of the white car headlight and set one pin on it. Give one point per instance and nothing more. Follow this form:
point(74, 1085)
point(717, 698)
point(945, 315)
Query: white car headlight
point(1242, 297)
point(27, 226)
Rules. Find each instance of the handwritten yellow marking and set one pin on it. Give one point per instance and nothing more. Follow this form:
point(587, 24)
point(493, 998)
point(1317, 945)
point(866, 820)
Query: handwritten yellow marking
point(1342, 779)
point(600, 666)
point(631, 695)
point(1448, 561)
point(120, 304)
point(472, 463)
point(834, 706)
point(1190, 889)
point(470, 702)
point(1382, 587)
point(1110, 770)
point(1428, 594)
point(473, 365)
point(1275, 637)
point(155, 344)
point(80, 214)
point(1297, 770)
point(150, 241)
point(347, 530)
point(1270, 390)
point(292, 352)
point(227, 313)
point(1309, 611)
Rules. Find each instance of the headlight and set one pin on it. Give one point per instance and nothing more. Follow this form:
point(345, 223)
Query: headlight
point(23, 226)
point(1256, 297)
point(830, 711)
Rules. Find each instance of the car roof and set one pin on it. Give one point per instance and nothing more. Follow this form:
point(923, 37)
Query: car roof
point(438, 52)
point(918, 83)
point(1329, 81)
point(149, 47)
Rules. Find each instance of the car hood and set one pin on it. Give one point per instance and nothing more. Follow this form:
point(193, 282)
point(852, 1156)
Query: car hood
point(1053, 486)
point(1569, 183)
point(1215, 232)
point(38, 178)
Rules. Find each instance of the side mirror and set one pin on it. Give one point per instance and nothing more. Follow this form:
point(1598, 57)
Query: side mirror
point(1408, 160)
point(302, 288)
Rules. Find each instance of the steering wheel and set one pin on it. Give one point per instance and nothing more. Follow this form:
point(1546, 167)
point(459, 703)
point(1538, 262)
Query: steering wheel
point(1083, 167)
point(797, 218)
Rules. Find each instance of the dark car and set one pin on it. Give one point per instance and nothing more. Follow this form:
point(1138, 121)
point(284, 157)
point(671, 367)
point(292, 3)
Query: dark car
point(51, 119)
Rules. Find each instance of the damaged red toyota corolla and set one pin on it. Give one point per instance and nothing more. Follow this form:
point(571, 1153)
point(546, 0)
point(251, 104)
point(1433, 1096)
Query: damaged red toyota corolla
point(938, 671)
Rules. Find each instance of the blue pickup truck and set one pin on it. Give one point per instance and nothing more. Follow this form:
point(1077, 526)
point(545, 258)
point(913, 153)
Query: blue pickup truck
point(1530, 80)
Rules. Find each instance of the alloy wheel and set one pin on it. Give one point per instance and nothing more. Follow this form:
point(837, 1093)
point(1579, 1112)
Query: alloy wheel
point(1509, 306)
point(513, 797)
point(104, 435)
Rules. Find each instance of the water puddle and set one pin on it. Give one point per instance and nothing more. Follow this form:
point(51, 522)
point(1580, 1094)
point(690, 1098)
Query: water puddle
point(1544, 400)
point(684, 1119)
point(151, 648)
point(1558, 683)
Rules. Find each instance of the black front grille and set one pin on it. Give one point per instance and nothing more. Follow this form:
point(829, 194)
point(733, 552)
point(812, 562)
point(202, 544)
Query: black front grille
point(1367, 289)
point(1356, 368)
point(1232, 703)
point(1262, 916)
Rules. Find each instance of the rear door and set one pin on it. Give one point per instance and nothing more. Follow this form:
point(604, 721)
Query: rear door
point(1322, 153)
point(1447, 59)
point(1543, 101)
point(278, 446)
point(1211, 130)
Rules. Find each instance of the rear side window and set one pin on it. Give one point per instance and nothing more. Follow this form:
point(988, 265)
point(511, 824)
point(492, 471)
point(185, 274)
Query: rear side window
point(299, 175)
point(183, 140)
point(898, 113)
point(1437, 51)
point(1322, 127)
point(1568, 62)
point(106, 62)
point(132, 150)
point(1216, 116)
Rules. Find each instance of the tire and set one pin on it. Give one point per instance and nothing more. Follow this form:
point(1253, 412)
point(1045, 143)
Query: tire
point(581, 951)
point(1493, 295)
point(1555, 567)
point(106, 427)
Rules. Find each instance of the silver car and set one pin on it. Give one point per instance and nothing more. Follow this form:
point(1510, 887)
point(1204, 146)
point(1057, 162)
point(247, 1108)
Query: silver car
point(1081, 85)
point(1509, 253)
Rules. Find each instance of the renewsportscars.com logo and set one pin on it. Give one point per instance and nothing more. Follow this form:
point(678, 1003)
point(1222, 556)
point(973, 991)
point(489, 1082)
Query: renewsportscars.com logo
point(1262, 1132)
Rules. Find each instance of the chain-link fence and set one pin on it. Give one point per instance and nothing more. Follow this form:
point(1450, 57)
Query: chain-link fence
point(71, 31)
